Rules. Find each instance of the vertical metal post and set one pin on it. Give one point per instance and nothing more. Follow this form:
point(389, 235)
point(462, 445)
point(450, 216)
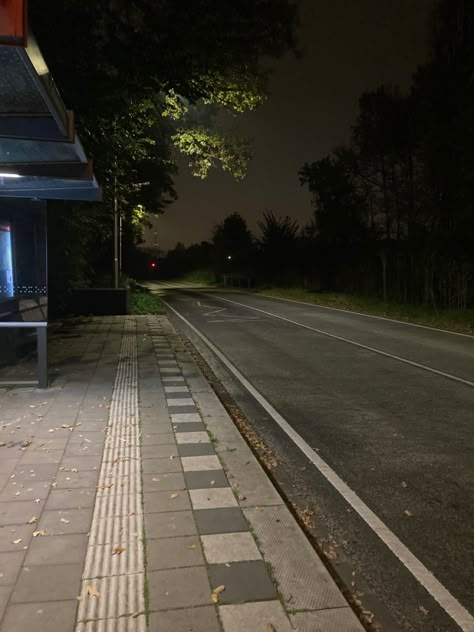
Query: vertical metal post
point(116, 236)
point(42, 348)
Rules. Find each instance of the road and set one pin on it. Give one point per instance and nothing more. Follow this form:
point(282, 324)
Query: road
point(387, 409)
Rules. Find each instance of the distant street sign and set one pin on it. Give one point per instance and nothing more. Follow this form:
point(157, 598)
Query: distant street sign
point(13, 23)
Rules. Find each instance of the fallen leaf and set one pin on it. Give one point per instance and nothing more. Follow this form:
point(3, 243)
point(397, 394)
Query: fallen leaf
point(191, 547)
point(408, 513)
point(156, 480)
point(118, 550)
point(173, 496)
point(213, 482)
point(92, 592)
point(271, 628)
point(104, 486)
point(403, 484)
point(38, 533)
point(32, 520)
point(216, 592)
point(18, 541)
point(37, 500)
point(423, 610)
point(65, 521)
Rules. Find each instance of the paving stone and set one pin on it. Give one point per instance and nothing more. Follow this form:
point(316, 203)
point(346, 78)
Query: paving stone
point(332, 620)
point(151, 431)
point(203, 480)
point(183, 418)
point(177, 389)
point(82, 462)
point(32, 587)
point(10, 533)
point(163, 482)
point(7, 466)
point(18, 511)
point(51, 456)
point(58, 549)
point(85, 437)
point(169, 379)
point(71, 499)
point(50, 616)
point(229, 520)
point(191, 426)
point(169, 524)
point(257, 617)
point(73, 480)
point(5, 592)
point(160, 466)
point(195, 449)
point(212, 498)
point(173, 553)
point(158, 439)
point(230, 547)
point(243, 581)
point(158, 502)
point(83, 449)
point(37, 472)
point(65, 521)
point(192, 437)
point(157, 451)
point(176, 410)
point(201, 619)
point(179, 588)
point(302, 578)
point(25, 490)
point(200, 463)
point(10, 565)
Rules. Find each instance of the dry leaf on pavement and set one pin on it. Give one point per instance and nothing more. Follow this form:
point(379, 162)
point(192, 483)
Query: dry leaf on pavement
point(191, 546)
point(216, 592)
point(173, 496)
point(32, 520)
point(65, 521)
point(118, 550)
point(17, 541)
point(37, 533)
point(271, 628)
point(408, 513)
point(92, 592)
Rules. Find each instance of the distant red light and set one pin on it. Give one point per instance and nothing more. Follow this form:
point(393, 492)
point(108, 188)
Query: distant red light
point(153, 265)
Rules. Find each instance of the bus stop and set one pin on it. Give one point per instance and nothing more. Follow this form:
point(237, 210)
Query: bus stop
point(41, 159)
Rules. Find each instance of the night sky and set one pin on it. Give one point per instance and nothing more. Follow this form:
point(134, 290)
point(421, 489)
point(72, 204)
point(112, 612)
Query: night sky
point(348, 47)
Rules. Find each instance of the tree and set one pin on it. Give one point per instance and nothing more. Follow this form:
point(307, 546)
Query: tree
point(233, 245)
point(278, 247)
point(135, 73)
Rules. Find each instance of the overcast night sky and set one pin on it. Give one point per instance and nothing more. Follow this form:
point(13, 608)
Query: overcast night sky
point(348, 48)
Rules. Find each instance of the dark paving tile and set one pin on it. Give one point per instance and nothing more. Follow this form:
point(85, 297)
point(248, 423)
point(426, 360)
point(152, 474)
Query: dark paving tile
point(25, 490)
point(163, 482)
point(228, 520)
point(159, 502)
point(179, 588)
point(73, 480)
point(173, 553)
point(202, 619)
point(195, 449)
point(159, 451)
point(243, 581)
point(50, 616)
point(169, 524)
point(192, 426)
point(32, 587)
point(5, 592)
point(208, 478)
point(82, 462)
point(160, 466)
point(175, 410)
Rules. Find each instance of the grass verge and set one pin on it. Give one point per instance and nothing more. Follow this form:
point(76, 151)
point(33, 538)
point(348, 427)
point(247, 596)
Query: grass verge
point(144, 302)
point(458, 320)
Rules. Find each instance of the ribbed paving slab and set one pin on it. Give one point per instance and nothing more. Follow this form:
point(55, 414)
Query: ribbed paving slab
point(113, 581)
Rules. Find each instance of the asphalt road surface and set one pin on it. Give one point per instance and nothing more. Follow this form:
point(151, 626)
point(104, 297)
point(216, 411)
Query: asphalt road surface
point(387, 410)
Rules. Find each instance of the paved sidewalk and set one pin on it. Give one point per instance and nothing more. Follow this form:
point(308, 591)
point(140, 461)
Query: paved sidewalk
point(130, 502)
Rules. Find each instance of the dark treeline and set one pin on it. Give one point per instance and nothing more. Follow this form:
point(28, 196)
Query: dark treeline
point(394, 210)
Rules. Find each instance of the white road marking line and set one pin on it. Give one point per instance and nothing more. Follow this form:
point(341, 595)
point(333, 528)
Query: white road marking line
point(349, 311)
point(446, 600)
point(355, 344)
point(215, 311)
point(243, 319)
